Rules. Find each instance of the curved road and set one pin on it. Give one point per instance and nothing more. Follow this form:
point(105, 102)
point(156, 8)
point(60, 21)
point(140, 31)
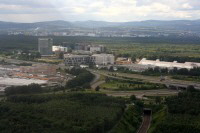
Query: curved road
point(145, 124)
point(151, 79)
point(95, 82)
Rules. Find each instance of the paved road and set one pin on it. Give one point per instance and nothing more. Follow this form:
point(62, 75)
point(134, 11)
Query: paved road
point(145, 124)
point(140, 93)
point(97, 77)
point(151, 79)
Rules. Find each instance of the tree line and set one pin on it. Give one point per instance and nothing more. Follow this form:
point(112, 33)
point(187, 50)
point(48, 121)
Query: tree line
point(175, 71)
point(82, 79)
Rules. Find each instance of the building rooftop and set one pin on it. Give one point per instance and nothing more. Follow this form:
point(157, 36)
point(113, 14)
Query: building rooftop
point(158, 63)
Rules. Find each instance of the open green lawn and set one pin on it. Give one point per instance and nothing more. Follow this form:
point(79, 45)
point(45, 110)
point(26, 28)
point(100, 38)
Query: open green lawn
point(124, 86)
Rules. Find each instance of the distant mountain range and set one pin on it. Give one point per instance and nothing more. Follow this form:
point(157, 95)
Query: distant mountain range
point(188, 25)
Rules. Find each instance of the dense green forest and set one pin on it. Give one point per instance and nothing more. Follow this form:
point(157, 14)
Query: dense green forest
point(61, 113)
point(25, 89)
point(183, 114)
point(131, 119)
point(82, 79)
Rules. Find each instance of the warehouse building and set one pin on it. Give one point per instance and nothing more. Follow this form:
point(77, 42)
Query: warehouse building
point(170, 65)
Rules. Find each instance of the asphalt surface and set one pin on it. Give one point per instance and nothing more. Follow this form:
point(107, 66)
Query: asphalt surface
point(151, 79)
point(141, 93)
point(145, 124)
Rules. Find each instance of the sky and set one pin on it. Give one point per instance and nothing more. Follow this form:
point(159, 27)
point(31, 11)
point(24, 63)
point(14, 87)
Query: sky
point(99, 10)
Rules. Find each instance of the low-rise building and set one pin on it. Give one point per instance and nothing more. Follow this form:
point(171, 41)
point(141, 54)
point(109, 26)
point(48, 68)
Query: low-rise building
point(99, 48)
point(59, 49)
point(98, 59)
point(123, 61)
point(77, 60)
point(104, 59)
point(170, 65)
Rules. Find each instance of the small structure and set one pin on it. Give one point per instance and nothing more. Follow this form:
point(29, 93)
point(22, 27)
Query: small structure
point(123, 61)
point(59, 49)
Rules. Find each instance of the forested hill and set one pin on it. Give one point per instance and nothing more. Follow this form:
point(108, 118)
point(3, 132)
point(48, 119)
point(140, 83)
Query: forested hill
point(61, 113)
point(192, 25)
point(183, 113)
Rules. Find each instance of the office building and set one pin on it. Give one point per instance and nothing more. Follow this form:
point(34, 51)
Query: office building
point(45, 46)
point(97, 59)
point(104, 59)
point(77, 60)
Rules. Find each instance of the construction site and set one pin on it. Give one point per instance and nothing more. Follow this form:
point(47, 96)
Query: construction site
point(43, 74)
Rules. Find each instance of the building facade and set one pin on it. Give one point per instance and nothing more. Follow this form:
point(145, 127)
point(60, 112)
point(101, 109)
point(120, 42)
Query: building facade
point(77, 60)
point(169, 65)
point(104, 59)
point(99, 48)
point(45, 46)
point(98, 59)
point(59, 49)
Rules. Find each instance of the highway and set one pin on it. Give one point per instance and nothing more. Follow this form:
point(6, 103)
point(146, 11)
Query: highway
point(151, 79)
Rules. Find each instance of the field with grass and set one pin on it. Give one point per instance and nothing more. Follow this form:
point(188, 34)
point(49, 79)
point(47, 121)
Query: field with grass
point(119, 85)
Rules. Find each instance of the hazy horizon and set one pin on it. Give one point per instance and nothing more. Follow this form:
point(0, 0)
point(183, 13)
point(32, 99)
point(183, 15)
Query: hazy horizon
point(98, 10)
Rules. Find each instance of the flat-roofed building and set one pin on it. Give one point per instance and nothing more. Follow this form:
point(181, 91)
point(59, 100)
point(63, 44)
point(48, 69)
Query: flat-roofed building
point(59, 49)
point(170, 65)
point(99, 48)
point(98, 59)
point(45, 46)
point(104, 59)
point(77, 60)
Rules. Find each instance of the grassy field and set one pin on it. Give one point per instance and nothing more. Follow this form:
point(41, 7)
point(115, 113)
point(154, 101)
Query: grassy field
point(129, 86)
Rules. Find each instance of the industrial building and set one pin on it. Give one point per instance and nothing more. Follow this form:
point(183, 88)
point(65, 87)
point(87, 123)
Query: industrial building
point(98, 59)
point(170, 65)
point(45, 46)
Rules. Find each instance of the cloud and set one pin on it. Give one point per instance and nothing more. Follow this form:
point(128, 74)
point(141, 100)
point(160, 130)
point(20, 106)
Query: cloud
point(187, 6)
point(107, 10)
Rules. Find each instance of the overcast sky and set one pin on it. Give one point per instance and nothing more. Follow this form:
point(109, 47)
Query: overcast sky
point(102, 10)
